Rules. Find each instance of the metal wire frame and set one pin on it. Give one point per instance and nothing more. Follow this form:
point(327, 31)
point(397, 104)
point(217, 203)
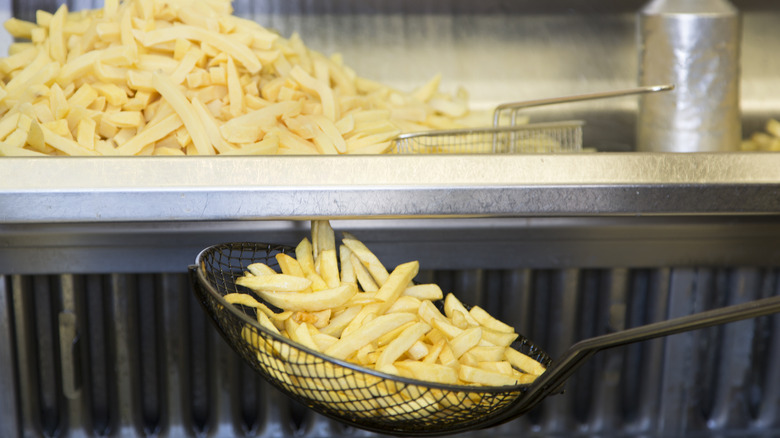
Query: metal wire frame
point(551, 137)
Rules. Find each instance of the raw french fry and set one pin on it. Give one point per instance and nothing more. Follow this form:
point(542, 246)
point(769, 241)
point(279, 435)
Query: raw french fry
point(236, 87)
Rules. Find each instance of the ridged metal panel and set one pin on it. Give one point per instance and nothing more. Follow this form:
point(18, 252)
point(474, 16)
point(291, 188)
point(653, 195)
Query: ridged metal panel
point(146, 361)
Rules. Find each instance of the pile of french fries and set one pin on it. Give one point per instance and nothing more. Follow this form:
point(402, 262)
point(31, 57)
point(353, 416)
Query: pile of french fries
point(341, 301)
point(767, 140)
point(186, 77)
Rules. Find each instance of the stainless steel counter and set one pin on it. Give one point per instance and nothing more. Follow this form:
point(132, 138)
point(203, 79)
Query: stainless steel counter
point(600, 209)
point(87, 190)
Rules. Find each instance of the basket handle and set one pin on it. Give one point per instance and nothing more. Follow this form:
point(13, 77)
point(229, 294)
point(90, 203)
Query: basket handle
point(516, 106)
point(553, 379)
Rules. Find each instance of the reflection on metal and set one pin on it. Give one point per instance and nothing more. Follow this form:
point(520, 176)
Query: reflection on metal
point(696, 45)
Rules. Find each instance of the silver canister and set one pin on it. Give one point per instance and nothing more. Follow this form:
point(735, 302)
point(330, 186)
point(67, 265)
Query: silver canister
point(694, 44)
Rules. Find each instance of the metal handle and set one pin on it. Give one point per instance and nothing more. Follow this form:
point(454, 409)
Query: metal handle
point(577, 98)
point(553, 379)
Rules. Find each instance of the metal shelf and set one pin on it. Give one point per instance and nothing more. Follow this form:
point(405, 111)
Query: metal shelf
point(89, 190)
point(79, 215)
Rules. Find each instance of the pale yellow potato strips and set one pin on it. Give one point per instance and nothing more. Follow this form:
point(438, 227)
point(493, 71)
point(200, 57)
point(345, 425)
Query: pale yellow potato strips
point(275, 283)
point(396, 329)
point(368, 333)
point(210, 59)
point(312, 301)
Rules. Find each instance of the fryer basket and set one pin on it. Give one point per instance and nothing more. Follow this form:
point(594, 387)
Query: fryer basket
point(340, 390)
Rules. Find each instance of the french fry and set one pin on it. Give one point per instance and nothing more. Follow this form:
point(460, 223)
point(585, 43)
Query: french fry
point(453, 306)
point(372, 330)
point(465, 341)
point(312, 302)
point(362, 275)
point(367, 258)
point(236, 87)
point(275, 283)
point(484, 377)
point(429, 372)
point(289, 265)
point(487, 321)
point(523, 362)
point(402, 343)
point(431, 292)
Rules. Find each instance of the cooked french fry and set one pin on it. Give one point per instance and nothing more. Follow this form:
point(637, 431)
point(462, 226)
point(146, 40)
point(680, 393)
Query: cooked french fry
point(367, 258)
point(329, 267)
point(523, 362)
point(275, 283)
point(362, 275)
point(339, 322)
point(431, 292)
point(484, 377)
point(429, 372)
point(347, 270)
point(372, 330)
point(394, 328)
point(487, 321)
point(312, 301)
point(465, 341)
point(289, 265)
point(402, 343)
point(304, 253)
point(453, 305)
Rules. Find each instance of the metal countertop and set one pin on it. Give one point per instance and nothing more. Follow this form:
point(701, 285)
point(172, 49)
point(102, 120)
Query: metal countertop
point(89, 190)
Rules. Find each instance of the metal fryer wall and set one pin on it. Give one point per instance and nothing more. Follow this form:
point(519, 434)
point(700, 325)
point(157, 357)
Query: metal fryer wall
point(149, 363)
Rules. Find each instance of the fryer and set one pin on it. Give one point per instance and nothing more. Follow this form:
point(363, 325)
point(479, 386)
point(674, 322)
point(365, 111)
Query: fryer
point(101, 333)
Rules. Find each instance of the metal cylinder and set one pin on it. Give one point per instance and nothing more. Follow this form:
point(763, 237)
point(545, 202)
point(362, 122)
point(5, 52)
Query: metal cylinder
point(694, 44)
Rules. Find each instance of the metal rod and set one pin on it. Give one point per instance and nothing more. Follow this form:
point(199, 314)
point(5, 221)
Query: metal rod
point(553, 379)
point(577, 98)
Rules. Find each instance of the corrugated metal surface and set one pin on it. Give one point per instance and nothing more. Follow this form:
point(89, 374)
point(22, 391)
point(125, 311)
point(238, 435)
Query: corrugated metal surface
point(145, 360)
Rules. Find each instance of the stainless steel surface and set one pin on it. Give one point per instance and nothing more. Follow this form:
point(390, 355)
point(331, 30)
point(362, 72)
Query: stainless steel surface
point(506, 243)
point(694, 44)
point(250, 188)
point(185, 381)
point(9, 396)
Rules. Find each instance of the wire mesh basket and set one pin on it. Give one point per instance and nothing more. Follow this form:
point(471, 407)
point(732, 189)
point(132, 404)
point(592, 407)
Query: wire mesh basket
point(338, 389)
point(508, 134)
point(533, 138)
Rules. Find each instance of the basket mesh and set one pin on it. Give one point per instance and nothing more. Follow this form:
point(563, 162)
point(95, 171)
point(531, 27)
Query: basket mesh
point(341, 390)
point(534, 138)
